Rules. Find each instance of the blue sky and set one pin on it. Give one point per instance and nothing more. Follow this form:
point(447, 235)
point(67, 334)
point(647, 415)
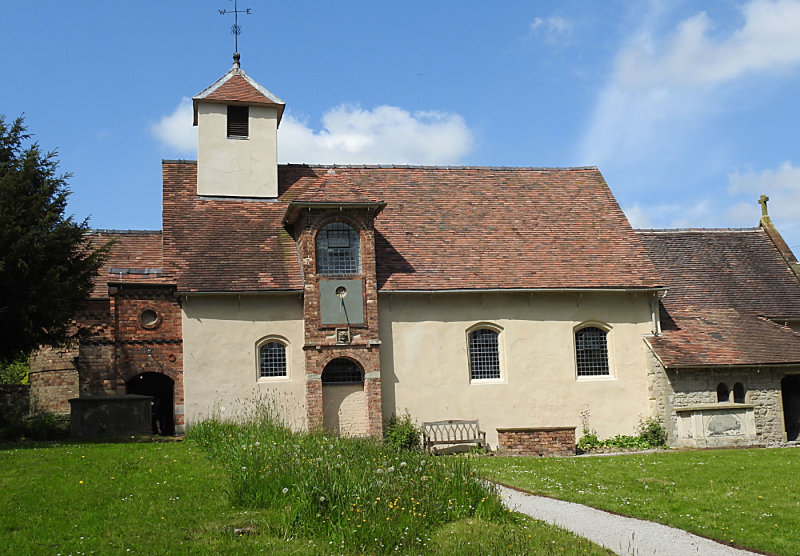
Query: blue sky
point(688, 108)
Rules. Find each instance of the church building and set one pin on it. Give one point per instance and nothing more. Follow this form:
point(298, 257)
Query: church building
point(345, 294)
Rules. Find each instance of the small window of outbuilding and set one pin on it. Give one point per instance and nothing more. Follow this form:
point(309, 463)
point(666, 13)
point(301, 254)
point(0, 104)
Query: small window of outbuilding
point(238, 121)
point(723, 394)
point(738, 393)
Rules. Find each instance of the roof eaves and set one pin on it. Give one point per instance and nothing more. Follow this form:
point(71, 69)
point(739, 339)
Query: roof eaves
point(190, 293)
point(600, 289)
point(692, 230)
point(436, 167)
point(296, 206)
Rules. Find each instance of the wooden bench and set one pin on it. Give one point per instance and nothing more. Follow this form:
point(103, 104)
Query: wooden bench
point(452, 432)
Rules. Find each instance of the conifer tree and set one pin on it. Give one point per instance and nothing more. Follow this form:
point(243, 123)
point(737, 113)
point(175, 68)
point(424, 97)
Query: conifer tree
point(46, 264)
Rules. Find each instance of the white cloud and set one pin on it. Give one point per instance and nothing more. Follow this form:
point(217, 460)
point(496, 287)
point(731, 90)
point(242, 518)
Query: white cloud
point(638, 217)
point(383, 135)
point(740, 207)
point(176, 130)
point(781, 185)
point(349, 135)
point(663, 87)
point(552, 29)
point(766, 41)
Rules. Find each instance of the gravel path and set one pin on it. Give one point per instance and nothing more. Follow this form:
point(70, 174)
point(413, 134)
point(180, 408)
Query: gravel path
point(623, 535)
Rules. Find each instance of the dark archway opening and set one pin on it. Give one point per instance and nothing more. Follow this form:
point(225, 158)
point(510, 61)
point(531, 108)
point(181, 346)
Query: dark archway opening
point(162, 389)
point(342, 371)
point(790, 390)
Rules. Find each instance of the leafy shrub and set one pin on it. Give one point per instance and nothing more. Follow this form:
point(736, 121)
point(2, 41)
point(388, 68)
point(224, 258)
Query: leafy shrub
point(14, 372)
point(650, 434)
point(402, 432)
point(588, 442)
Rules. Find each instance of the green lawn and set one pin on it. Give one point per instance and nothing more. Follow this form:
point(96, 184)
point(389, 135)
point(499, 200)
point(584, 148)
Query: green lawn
point(747, 497)
point(165, 498)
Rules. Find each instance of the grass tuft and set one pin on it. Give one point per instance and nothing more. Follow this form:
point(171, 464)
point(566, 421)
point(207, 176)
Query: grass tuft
point(357, 493)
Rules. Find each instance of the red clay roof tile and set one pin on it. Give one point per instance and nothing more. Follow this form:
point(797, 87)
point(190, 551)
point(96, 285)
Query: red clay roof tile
point(442, 229)
point(721, 283)
point(131, 250)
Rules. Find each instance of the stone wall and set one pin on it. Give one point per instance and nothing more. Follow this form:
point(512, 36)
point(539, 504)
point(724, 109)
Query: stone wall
point(14, 402)
point(551, 441)
point(695, 387)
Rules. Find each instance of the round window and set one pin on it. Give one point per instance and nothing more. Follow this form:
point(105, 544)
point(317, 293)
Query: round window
point(149, 318)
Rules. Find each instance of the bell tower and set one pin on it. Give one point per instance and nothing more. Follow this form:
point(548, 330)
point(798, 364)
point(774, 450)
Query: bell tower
point(237, 152)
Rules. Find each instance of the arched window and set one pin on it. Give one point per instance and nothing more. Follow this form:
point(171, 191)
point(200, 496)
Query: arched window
point(723, 394)
point(272, 359)
point(591, 351)
point(484, 354)
point(342, 371)
point(338, 250)
point(738, 393)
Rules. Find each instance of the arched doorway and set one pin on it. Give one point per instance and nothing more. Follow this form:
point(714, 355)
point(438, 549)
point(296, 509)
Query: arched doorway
point(790, 390)
point(162, 389)
point(344, 404)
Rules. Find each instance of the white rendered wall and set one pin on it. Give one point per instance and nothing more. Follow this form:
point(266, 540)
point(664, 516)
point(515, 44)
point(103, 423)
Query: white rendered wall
point(425, 368)
point(220, 366)
point(232, 166)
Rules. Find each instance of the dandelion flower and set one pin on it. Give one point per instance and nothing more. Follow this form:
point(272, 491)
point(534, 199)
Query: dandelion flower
point(285, 490)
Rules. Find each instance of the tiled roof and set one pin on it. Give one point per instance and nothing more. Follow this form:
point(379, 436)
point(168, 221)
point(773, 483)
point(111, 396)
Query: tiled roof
point(721, 337)
point(236, 86)
point(441, 229)
point(229, 244)
point(330, 187)
point(721, 283)
point(135, 256)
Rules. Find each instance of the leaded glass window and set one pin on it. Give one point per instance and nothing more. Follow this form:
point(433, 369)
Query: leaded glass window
point(338, 250)
point(342, 371)
point(591, 351)
point(484, 354)
point(272, 359)
point(723, 394)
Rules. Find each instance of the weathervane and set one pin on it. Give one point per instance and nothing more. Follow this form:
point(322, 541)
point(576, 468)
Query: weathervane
point(235, 28)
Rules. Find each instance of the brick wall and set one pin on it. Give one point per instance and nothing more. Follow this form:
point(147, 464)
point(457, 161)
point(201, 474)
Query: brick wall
point(550, 441)
point(141, 346)
point(54, 379)
point(320, 341)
